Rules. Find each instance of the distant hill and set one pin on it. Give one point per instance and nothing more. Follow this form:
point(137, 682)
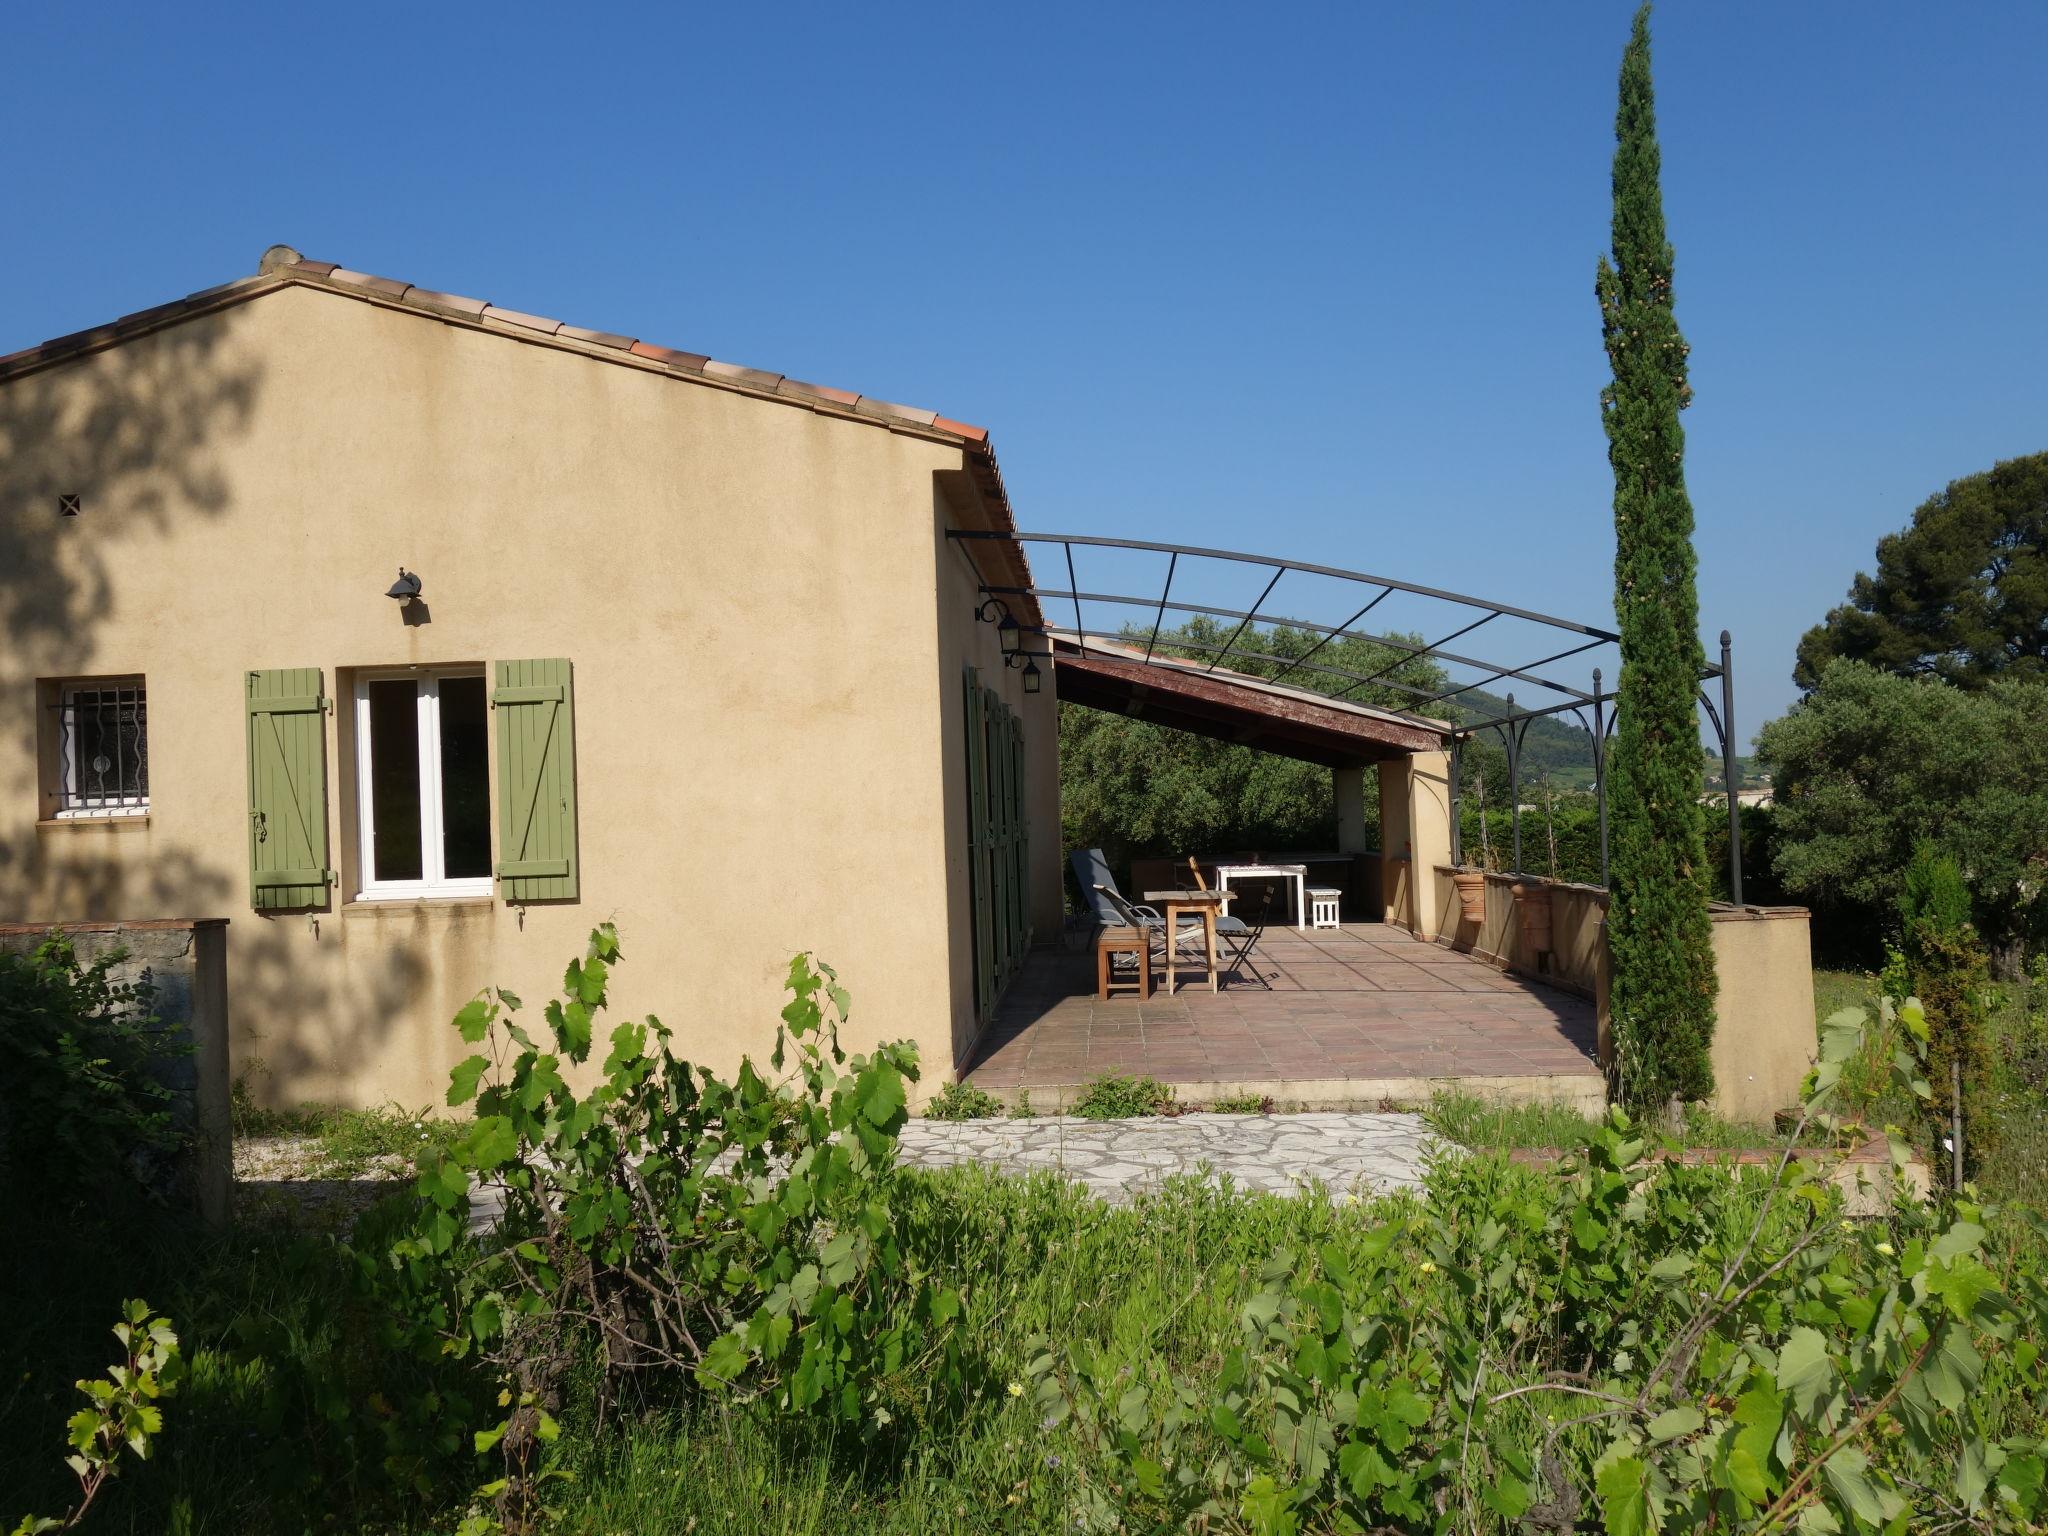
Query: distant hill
point(1558, 744)
point(1555, 744)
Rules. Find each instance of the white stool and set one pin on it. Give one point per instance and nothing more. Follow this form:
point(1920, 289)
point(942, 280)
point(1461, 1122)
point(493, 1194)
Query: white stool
point(1322, 905)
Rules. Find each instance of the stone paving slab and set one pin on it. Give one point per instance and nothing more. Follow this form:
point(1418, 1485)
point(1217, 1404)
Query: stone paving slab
point(1281, 1154)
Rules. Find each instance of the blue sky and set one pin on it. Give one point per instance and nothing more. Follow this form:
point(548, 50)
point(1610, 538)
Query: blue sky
point(1310, 281)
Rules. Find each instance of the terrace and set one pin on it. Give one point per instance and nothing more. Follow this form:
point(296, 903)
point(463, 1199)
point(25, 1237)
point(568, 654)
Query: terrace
point(1354, 1015)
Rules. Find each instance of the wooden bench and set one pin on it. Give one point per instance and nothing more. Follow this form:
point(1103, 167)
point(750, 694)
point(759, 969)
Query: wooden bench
point(1122, 941)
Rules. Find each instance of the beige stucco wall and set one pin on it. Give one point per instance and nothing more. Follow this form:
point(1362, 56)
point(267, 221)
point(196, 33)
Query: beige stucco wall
point(761, 614)
point(1764, 1034)
point(1415, 837)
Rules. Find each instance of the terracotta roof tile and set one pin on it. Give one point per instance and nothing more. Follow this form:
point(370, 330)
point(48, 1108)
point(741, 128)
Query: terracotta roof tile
point(313, 268)
point(77, 339)
point(601, 338)
point(142, 319)
point(870, 406)
point(379, 285)
point(961, 429)
point(525, 321)
point(825, 392)
point(208, 295)
point(739, 375)
point(669, 355)
point(446, 303)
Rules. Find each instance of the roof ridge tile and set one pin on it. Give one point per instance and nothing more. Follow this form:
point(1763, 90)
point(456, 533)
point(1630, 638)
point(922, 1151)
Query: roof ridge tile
point(445, 303)
point(760, 378)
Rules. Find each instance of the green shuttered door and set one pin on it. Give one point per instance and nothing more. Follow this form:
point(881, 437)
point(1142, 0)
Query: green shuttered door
point(287, 716)
point(535, 705)
point(998, 841)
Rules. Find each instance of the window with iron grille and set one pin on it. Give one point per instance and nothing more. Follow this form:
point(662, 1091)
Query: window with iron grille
point(103, 749)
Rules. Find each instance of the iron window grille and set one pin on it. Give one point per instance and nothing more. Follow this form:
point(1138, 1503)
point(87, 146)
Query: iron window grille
point(103, 750)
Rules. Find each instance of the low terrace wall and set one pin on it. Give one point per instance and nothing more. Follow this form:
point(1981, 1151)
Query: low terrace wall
point(1764, 1033)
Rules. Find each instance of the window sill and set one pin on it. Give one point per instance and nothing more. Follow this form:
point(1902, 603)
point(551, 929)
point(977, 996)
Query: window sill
point(400, 904)
point(110, 822)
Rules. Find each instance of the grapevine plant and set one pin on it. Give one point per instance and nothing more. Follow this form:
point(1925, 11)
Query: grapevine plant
point(737, 1237)
point(1637, 1345)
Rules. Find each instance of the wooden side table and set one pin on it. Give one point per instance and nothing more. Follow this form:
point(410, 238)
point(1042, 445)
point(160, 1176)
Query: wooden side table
point(1203, 904)
point(1122, 941)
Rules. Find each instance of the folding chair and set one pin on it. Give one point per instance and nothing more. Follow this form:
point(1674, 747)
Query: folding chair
point(1236, 935)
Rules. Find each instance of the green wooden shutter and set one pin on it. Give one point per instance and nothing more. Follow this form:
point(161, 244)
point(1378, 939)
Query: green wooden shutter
point(287, 722)
point(1020, 826)
point(536, 707)
point(978, 849)
point(999, 836)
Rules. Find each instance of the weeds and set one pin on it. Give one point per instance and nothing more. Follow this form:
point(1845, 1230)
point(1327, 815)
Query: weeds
point(961, 1100)
point(345, 1143)
point(1119, 1096)
point(1243, 1104)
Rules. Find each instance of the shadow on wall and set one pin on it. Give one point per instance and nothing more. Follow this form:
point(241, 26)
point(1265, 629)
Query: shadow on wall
point(135, 432)
point(278, 979)
point(131, 432)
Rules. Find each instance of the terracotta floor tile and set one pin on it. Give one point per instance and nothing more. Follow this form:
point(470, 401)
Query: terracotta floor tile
point(1363, 1001)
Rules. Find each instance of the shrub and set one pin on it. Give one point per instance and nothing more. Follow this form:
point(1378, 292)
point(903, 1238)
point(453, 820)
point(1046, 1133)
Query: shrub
point(1119, 1096)
point(1631, 1344)
point(85, 1116)
point(1950, 975)
point(120, 1412)
point(738, 1237)
point(961, 1100)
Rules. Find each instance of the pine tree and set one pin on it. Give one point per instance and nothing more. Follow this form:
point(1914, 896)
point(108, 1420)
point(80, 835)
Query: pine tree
point(1659, 937)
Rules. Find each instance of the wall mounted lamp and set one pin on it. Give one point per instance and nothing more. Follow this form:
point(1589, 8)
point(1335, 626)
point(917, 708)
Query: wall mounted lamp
point(1010, 636)
point(406, 589)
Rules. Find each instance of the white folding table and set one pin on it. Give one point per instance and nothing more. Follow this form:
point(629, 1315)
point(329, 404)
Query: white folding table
point(1298, 873)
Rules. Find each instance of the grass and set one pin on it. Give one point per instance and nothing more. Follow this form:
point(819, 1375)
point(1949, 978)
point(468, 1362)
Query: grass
point(1485, 1124)
point(281, 1424)
point(2016, 1171)
point(345, 1143)
point(289, 1412)
point(1243, 1104)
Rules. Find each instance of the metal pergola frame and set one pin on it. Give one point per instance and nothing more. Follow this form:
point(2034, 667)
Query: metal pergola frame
point(1512, 727)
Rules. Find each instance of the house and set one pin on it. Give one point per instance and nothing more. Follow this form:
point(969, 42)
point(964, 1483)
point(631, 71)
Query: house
point(416, 636)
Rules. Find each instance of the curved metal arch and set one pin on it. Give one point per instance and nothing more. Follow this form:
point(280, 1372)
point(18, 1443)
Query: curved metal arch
point(1514, 725)
point(1274, 561)
point(1329, 632)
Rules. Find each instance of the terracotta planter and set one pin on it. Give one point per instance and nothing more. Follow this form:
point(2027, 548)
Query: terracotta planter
point(1532, 915)
point(1471, 884)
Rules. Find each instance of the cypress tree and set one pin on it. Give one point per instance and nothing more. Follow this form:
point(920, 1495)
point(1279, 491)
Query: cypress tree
point(1659, 937)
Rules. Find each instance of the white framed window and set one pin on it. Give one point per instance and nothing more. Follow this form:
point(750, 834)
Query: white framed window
point(103, 748)
point(423, 798)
